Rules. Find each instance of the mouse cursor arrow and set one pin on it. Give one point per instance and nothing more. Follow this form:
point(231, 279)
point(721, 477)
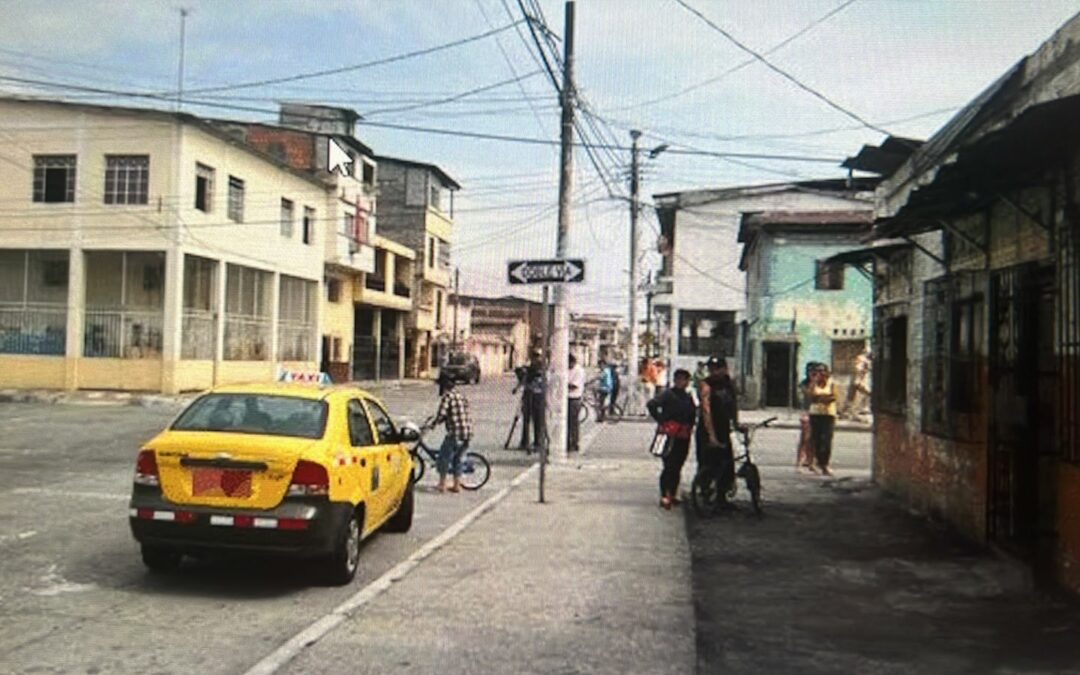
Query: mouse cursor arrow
point(337, 158)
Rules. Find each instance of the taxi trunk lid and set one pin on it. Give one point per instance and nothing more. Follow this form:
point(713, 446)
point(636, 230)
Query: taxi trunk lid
point(227, 469)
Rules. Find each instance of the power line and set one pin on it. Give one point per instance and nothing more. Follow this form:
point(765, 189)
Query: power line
point(354, 67)
point(783, 73)
point(736, 68)
point(456, 97)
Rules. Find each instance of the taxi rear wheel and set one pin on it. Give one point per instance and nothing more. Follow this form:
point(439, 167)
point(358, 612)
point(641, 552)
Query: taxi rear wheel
point(160, 559)
point(340, 567)
point(402, 519)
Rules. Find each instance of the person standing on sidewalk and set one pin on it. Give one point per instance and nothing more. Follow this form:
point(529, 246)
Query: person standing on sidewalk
point(823, 395)
point(575, 387)
point(454, 412)
point(675, 411)
point(804, 458)
point(719, 415)
point(533, 403)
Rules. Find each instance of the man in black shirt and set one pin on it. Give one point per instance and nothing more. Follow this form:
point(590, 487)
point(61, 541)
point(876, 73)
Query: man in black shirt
point(719, 416)
point(533, 380)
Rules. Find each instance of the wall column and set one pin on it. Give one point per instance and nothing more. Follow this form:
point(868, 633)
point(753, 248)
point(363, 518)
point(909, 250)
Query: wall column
point(76, 317)
point(400, 332)
point(172, 320)
point(220, 282)
point(275, 319)
point(376, 335)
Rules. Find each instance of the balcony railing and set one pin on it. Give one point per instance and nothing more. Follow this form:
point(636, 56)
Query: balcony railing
point(375, 283)
point(199, 334)
point(247, 338)
point(123, 333)
point(402, 290)
point(296, 341)
point(33, 329)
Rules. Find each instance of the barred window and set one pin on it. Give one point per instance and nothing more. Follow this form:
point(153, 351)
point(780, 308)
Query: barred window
point(828, 276)
point(204, 188)
point(236, 199)
point(127, 179)
point(54, 178)
point(891, 360)
point(444, 254)
point(953, 339)
point(286, 218)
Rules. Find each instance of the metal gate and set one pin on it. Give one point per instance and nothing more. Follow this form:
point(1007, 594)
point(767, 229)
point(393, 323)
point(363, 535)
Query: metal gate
point(1023, 380)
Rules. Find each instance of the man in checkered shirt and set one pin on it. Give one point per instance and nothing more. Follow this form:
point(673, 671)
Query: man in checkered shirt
point(454, 411)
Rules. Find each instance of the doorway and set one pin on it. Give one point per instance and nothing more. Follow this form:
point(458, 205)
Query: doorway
point(1023, 381)
point(778, 375)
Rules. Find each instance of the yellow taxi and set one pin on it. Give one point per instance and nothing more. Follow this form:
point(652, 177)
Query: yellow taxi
point(277, 468)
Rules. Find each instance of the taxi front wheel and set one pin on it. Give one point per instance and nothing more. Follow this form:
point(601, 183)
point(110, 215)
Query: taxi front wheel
point(160, 559)
point(340, 567)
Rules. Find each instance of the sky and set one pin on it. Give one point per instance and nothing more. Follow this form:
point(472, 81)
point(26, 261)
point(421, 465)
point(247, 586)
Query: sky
point(904, 66)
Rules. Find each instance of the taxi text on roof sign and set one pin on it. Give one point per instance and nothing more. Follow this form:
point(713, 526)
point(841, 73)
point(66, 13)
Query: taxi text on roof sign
point(301, 376)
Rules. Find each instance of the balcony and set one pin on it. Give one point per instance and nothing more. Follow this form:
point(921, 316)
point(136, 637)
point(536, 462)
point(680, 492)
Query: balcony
point(375, 283)
point(375, 292)
point(402, 290)
point(352, 254)
point(440, 276)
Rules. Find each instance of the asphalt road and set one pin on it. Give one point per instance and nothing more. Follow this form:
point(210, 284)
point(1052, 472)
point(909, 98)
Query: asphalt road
point(74, 596)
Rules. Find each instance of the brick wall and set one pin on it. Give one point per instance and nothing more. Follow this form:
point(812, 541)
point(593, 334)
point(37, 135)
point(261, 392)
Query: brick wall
point(294, 147)
point(397, 221)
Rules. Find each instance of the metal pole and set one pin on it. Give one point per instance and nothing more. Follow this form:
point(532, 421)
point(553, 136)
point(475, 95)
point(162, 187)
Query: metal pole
point(560, 332)
point(635, 181)
point(651, 347)
point(545, 342)
point(180, 70)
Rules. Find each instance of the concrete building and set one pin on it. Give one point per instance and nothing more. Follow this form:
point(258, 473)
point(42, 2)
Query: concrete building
point(149, 250)
point(700, 295)
point(596, 337)
point(977, 317)
point(499, 332)
point(416, 208)
point(368, 277)
point(798, 307)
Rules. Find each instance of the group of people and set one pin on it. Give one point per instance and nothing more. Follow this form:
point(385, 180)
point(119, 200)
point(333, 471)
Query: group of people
point(709, 421)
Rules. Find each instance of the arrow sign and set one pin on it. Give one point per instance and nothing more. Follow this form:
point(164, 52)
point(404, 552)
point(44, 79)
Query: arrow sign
point(546, 271)
point(337, 158)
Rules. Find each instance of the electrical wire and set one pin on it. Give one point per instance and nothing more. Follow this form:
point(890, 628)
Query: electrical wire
point(516, 79)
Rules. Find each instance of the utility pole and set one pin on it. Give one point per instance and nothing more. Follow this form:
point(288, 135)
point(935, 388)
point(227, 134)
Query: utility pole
point(560, 333)
point(650, 350)
point(180, 70)
point(457, 303)
point(546, 346)
point(635, 181)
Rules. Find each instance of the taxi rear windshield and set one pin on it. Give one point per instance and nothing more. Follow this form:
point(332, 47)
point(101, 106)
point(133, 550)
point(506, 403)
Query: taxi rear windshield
point(255, 414)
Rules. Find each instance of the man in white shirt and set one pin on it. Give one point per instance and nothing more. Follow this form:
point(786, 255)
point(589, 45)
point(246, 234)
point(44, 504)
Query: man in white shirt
point(575, 387)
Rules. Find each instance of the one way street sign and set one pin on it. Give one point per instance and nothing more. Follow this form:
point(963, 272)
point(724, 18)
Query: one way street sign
point(546, 271)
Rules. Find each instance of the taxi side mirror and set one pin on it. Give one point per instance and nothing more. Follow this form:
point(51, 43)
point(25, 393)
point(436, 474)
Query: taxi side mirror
point(407, 435)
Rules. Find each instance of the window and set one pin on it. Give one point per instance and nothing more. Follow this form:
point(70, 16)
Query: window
point(444, 254)
point(333, 290)
point(438, 308)
point(255, 414)
point(435, 198)
point(953, 338)
point(828, 277)
point(335, 350)
point(383, 425)
point(431, 252)
point(308, 233)
point(286, 218)
point(359, 428)
point(204, 188)
point(236, 199)
point(890, 364)
point(54, 178)
point(369, 174)
point(127, 179)
point(707, 333)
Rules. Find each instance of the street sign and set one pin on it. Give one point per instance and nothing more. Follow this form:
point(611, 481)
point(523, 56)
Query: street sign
point(546, 271)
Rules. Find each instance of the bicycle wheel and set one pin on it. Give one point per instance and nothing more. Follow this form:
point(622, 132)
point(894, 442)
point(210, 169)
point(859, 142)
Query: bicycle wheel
point(583, 413)
point(417, 466)
point(753, 485)
point(704, 495)
point(475, 471)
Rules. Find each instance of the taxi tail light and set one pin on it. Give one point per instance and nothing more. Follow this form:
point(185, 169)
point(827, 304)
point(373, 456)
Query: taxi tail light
point(146, 471)
point(309, 479)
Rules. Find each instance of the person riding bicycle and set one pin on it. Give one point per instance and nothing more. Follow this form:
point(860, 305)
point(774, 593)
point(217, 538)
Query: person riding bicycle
point(719, 416)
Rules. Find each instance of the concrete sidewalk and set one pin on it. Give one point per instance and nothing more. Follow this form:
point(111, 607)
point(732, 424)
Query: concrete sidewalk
point(597, 580)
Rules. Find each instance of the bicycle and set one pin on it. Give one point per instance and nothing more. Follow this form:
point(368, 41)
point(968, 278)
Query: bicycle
point(706, 492)
point(594, 404)
point(475, 469)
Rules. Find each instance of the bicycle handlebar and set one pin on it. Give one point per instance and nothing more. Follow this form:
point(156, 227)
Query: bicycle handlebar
point(768, 421)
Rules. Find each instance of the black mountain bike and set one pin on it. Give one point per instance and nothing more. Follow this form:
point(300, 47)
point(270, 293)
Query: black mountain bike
point(708, 493)
point(475, 469)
